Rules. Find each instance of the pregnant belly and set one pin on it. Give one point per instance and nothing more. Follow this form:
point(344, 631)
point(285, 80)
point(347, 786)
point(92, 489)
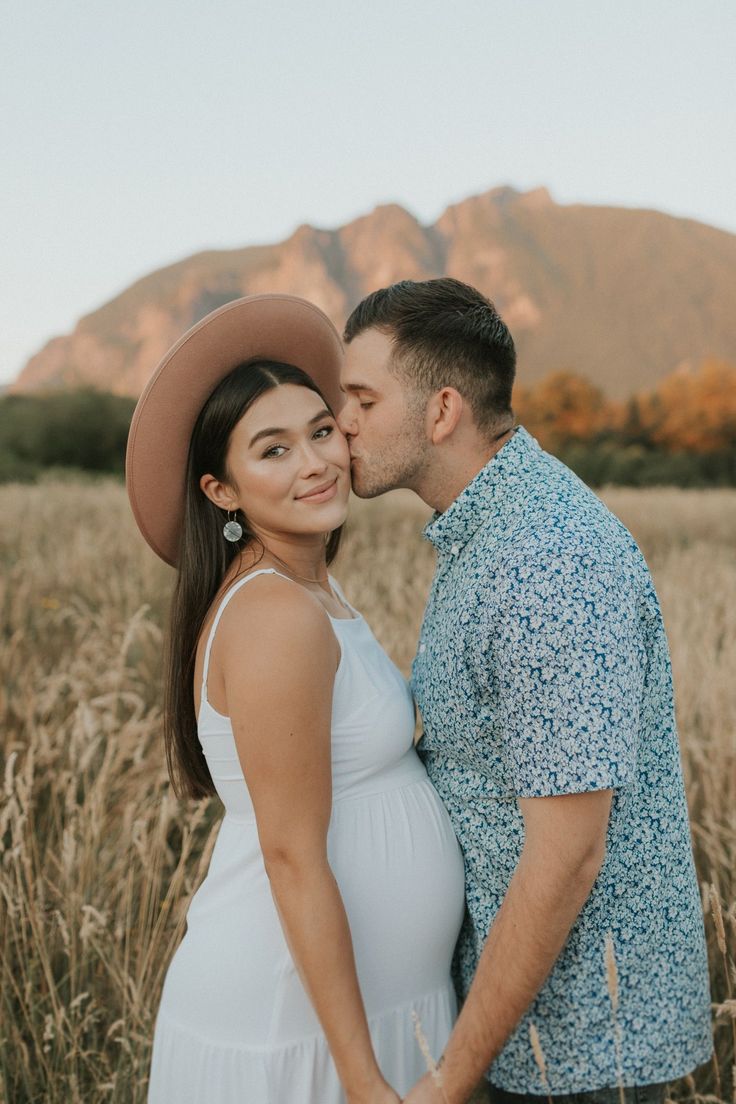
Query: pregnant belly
point(400, 872)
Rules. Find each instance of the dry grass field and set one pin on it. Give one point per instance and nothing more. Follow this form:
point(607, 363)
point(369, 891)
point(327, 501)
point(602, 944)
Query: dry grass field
point(98, 860)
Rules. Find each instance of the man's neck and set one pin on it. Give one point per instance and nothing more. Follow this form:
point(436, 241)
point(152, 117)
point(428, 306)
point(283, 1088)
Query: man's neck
point(440, 488)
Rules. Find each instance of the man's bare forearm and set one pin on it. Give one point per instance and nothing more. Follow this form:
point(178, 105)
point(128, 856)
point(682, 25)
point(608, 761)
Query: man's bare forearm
point(529, 931)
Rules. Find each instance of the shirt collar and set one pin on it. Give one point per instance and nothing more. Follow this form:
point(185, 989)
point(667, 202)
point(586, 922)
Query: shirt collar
point(485, 495)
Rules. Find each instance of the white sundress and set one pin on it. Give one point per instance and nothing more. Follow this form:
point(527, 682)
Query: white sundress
point(235, 1025)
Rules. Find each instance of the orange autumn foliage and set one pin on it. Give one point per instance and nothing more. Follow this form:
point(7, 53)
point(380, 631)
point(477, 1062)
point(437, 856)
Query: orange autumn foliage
point(691, 410)
point(563, 408)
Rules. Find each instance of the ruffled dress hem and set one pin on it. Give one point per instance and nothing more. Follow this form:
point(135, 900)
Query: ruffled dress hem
point(188, 1068)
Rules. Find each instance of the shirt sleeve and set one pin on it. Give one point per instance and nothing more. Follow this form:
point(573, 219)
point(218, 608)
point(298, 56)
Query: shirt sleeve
point(565, 658)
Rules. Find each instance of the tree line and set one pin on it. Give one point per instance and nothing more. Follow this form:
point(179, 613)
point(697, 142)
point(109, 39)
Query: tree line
point(682, 431)
point(79, 430)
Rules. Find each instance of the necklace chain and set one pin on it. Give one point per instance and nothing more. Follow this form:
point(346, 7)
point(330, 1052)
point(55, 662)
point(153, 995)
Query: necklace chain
point(303, 578)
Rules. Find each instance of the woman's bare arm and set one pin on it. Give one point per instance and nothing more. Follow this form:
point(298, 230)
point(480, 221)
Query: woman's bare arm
point(279, 661)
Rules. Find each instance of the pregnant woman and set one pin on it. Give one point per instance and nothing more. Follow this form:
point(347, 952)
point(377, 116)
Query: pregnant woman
point(334, 894)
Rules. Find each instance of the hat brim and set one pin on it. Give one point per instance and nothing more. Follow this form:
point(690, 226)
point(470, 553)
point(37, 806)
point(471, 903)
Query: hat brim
point(273, 327)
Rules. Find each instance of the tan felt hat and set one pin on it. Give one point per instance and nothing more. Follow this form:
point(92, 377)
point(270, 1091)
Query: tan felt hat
point(272, 327)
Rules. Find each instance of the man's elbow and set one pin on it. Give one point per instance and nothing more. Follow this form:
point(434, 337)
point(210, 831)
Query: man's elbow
point(590, 862)
point(567, 867)
point(566, 835)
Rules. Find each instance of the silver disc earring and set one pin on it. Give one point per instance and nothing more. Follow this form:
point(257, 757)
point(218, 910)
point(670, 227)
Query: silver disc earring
point(232, 530)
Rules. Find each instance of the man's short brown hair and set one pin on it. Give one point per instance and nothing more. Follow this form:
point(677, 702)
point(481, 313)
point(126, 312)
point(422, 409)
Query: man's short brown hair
point(445, 334)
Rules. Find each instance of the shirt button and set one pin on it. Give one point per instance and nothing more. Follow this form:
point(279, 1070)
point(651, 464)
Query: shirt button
point(422, 648)
point(455, 549)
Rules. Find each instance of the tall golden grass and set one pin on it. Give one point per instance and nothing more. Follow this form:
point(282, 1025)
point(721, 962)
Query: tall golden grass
point(98, 861)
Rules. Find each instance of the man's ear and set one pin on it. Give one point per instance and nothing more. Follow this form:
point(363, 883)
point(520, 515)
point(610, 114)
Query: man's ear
point(444, 411)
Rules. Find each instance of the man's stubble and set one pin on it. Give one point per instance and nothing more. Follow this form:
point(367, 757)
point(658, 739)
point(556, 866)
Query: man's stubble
point(399, 462)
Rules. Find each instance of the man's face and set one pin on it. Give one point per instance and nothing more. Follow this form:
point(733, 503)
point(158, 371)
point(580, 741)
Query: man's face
point(382, 418)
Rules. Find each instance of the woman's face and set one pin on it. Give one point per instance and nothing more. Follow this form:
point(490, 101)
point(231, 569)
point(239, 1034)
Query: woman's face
point(291, 463)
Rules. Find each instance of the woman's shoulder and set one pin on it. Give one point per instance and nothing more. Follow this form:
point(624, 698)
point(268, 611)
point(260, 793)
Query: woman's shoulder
point(275, 638)
point(264, 605)
point(270, 589)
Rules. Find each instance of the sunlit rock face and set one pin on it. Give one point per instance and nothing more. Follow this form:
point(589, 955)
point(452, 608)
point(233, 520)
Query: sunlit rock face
point(615, 295)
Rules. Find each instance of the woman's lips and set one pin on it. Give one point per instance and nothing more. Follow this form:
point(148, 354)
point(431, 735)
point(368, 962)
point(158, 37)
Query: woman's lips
point(323, 494)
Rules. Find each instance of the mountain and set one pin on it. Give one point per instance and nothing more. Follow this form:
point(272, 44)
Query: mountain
point(617, 295)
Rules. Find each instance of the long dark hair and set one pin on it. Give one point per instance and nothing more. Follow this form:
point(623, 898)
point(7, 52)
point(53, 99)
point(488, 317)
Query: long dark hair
point(204, 557)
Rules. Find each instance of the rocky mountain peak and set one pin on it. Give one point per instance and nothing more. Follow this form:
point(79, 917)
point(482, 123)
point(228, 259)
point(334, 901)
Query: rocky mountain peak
point(594, 290)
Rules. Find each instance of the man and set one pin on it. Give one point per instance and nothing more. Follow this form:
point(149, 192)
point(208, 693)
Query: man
point(544, 682)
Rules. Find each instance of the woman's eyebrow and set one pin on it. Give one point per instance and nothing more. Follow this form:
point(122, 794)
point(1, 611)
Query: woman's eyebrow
point(275, 431)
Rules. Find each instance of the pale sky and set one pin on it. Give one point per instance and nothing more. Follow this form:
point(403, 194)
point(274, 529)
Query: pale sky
point(136, 133)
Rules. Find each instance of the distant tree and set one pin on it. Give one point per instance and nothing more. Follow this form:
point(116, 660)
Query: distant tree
point(82, 428)
point(564, 409)
point(683, 432)
point(633, 428)
point(693, 409)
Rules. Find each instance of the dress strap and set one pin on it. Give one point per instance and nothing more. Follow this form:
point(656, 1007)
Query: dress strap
point(341, 594)
point(225, 599)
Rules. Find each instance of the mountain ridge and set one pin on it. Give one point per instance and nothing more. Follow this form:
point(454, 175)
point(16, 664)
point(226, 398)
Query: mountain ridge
point(618, 295)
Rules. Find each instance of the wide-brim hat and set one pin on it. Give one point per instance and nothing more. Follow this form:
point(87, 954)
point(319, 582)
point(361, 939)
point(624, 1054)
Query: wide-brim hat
point(271, 327)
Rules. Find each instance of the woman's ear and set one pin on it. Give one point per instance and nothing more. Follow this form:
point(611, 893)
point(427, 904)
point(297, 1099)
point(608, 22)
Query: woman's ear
point(444, 411)
point(219, 493)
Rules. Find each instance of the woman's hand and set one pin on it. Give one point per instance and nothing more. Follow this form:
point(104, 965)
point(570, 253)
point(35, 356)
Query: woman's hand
point(381, 1093)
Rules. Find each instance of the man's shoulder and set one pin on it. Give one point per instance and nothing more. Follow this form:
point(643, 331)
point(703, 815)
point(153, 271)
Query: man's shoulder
point(557, 515)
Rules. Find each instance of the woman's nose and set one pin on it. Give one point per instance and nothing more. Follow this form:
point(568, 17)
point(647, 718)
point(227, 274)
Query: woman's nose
point(312, 460)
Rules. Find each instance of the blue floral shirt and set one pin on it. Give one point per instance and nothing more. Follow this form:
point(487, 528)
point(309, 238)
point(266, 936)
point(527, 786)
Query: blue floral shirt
point(542, 669)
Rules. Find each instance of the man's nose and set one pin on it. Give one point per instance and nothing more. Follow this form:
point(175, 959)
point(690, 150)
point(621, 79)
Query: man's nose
point(346, 420)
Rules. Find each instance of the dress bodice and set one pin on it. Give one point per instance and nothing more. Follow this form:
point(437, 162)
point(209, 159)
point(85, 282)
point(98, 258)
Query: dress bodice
point(372, 718)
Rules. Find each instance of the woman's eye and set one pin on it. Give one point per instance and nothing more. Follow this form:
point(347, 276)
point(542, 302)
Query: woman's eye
point(324, 430)
point(274, 451)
